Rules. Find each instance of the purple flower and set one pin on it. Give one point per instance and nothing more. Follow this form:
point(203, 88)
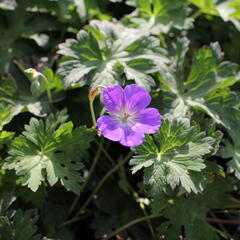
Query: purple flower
point(129, 118)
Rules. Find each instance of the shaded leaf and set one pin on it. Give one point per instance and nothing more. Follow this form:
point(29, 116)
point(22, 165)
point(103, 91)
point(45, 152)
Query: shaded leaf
point(192, 212)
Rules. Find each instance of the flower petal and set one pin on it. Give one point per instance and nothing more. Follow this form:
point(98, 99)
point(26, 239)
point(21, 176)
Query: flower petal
point(110, 128)
point(131, 138)
point(148, 121)
point(136, 98)
point(113, 98)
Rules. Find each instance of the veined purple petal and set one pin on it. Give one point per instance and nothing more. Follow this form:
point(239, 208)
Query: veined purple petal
point(131, 138)
point(148, 121)
point(110, 128)
point(136, 98)
point(113, 98)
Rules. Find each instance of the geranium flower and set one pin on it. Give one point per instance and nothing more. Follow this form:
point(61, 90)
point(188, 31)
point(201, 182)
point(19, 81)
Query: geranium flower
point(129, 118)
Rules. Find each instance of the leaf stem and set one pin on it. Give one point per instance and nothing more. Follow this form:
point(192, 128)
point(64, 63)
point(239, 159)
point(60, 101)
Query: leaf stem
point(48, 89)
point(196, 14)
point(92, 114)
point(106, 154)
point(130, 224)
point(103, 180)
point(97, 156)
point(75, 219)
point(221, 226)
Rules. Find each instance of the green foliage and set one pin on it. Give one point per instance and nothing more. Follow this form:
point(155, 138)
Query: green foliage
point(51, 151)
point(160, 16)
point(113, 214)
point(206, 87)
point(173, 156)
point(182, 182)
point(5, 137)
point(20, 227)
point(15, 99)
point(227, 10)
point(192, 212)
point(231, 150)
point(15, 25)
point(98, 55)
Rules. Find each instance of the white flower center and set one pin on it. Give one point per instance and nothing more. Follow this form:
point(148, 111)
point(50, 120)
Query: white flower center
point(126, 117)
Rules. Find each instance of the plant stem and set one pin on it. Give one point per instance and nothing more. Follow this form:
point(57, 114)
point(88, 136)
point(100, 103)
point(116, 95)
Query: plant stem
point(131, 223)
point(92, 114)
point(227, 211)
point(104, 179)
point(100, 148)
point(232, 206)
point(148, 221)
point(106, 154)
point(221, 226)
point(224, 221)
point(74, 220)
point(196, 14)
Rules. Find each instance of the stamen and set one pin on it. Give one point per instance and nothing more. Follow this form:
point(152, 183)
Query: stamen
point(126, 115)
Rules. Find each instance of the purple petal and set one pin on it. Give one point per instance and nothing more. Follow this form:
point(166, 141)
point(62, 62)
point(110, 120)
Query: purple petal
point(148, 121)
point(110, 128)
point(136, 98)
point(113, 98)
point(131, 138)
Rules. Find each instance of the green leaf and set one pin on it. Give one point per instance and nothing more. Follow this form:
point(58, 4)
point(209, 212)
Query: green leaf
point(173, 156)
point(15, 25)
point(206, 87)
point(112, 214)
point(51, 151)
point(5, 137)
point(17, 97)
point(227, 10)
point(93, 56)
point(160, 16)
point(231, 150)
point(7, 198)
point(22, 226)
point(192, 212)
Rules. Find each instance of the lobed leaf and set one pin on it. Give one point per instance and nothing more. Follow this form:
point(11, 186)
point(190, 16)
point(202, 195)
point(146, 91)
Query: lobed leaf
point(192, 212)
point(206, 87)
point(51, 151)
point(160, 16)
point(173, 156)
point(95, 55)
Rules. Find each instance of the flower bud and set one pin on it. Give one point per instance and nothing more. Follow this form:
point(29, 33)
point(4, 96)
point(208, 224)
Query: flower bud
point(32, 74)
point(92, 94)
